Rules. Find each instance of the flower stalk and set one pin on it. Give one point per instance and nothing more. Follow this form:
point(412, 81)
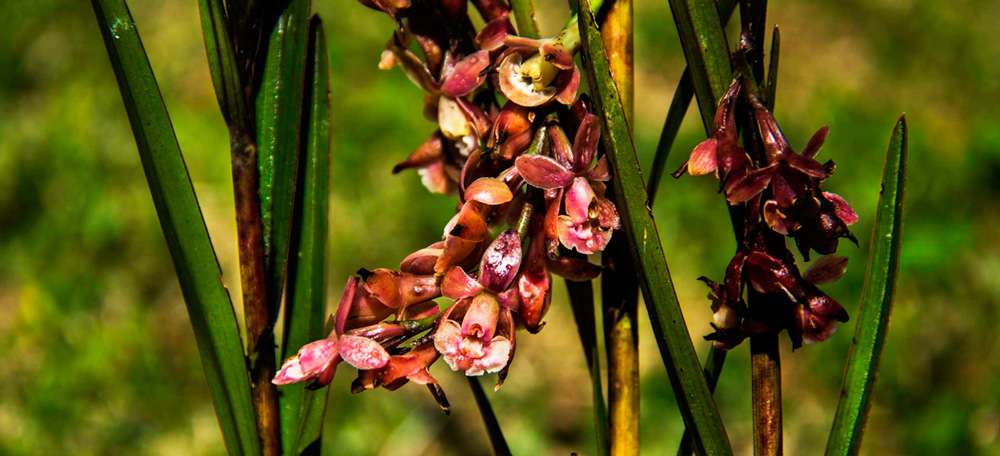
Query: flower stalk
point(620, 295)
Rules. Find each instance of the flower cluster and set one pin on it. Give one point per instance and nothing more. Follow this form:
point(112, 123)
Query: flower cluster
point(531, 203)
point(780, 194)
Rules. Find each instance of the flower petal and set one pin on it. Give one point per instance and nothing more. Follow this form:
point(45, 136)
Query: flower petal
point(827, 269)
point(362, 352)
point(467, 75)
point(585, 142)
point(740, 190)
point(817, 140)
point(775, 218)
point(543, 172)
point(554, 52)
point(561, 149)
point(569, 84)
point(422, 261)
point(501, 262)
point(704, 158)
point(308, 363)
point(496, 357)
point(840, 207)
point(447, 337)
point(806, 165)
point(489, 191)
point(492, 36)
point(346, 302)
point(578, 200)
point(451, 119)
point(600, 172)
point(429, 152)
point(457, 284)
point(480, 321)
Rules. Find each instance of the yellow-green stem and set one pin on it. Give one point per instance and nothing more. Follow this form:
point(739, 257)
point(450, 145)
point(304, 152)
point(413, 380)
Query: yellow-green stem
point(620, 291)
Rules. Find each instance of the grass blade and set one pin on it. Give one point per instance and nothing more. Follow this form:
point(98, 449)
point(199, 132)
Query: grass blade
point(208, 304)
point(279, 121)
point(690, 388)
point(497, 439)
point(675, 114)
point(305, 305)
point(524, 14)
point(876, 303)
point(581, 298)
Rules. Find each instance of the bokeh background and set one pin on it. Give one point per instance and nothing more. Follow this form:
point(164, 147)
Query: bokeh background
point(99, 357)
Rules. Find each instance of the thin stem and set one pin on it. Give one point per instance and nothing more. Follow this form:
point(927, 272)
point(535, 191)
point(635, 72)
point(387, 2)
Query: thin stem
point(581, 298)
point(524, 14)
point(765, 366)
point(620, 296)
point(497, 439)
point(260, 337)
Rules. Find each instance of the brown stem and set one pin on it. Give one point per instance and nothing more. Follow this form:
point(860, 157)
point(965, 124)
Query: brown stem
point(619, 289)
point(259, 331)
point(765, 365)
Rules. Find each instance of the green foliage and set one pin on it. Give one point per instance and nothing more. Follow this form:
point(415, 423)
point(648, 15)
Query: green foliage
point(302, 410)
point(872, 324)
point(194, 258)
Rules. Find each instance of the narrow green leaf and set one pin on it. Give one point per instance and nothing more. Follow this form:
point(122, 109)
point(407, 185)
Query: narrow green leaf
point(279, 122)
point(497, 439)
point(690, 388)
point(581, 299)
point(524, 14)
point(706, 51)
point(222, 63)
point(714, 362)
point(675, 114)
point(876, 303)
point(772, 68)
point(208, 304)
point(305, 304)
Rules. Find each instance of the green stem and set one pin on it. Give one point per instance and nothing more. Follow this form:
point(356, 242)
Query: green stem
point(524, 14)
point(581, 298)
point(497, 439)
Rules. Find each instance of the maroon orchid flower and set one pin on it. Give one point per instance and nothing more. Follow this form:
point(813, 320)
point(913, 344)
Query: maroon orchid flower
point(476, 335)
point(534, 72)
point(589, 218)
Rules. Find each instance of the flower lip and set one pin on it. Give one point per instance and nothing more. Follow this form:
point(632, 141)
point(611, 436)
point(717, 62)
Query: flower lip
point(519, 86)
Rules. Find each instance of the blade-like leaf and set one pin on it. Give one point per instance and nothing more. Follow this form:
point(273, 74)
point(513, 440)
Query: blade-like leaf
point(222, 63)
point(305, 304)
point(675, 114)
point(208, 304)
point(706, 51)
point(713, 369)
point(279, 121)
point(581, 298)
point(524, 14)
point(690, 388)
point(772, 68)
point(497, 439)
point(876, 303)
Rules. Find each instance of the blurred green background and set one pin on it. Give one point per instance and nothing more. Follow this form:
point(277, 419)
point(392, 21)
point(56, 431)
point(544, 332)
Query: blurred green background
point(99, 356)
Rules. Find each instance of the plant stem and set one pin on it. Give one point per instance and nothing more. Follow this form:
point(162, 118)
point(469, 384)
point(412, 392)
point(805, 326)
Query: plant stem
point(620, 296)
point(581, 298)
point(497, 439)
point(260, 337)
point(714, 362)
point(765, 367)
